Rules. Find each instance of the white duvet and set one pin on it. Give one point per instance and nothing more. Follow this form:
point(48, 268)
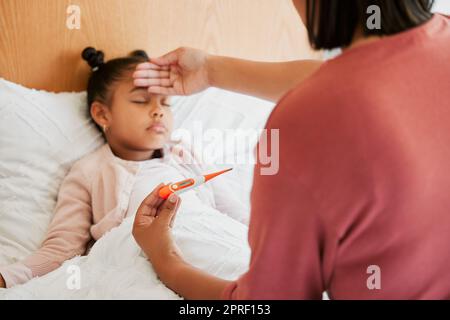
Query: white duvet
point(43, 133)
point(116, 268)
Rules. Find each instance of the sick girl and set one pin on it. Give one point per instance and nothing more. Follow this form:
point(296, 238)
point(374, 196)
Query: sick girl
point(105, 187)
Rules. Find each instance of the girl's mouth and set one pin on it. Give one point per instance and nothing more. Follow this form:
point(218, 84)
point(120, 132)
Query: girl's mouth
point(157, 127)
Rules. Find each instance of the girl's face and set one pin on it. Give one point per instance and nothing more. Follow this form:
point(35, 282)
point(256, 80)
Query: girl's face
point(137, 123)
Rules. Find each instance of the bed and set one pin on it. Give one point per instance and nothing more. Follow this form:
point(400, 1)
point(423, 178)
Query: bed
point(45, 126)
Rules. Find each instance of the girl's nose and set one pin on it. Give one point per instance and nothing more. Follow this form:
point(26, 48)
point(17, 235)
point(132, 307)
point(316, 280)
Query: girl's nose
point(156, 112)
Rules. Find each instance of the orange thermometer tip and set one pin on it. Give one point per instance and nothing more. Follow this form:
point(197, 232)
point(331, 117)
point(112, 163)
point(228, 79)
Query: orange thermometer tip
point(184, 185)
point(213, 175)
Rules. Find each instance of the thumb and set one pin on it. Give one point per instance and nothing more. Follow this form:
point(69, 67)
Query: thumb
point(167, 59)
point(168, 209)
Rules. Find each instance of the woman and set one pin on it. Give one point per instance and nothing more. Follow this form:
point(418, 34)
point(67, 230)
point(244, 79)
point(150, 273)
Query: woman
point(359, 207)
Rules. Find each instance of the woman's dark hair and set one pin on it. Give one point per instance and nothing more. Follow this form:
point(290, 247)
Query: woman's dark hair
point(332, 23)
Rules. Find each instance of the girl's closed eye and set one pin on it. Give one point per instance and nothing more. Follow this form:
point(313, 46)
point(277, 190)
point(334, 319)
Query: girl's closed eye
point(165, 102)
point(139, 96)
point(140, 101)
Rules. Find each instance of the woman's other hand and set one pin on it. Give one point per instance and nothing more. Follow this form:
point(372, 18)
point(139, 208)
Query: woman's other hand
point(183, 71)
point(152, 228)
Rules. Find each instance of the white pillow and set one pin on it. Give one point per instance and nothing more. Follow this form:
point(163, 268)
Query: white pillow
point(442, 6)
point(41, 135)
point(233, 114)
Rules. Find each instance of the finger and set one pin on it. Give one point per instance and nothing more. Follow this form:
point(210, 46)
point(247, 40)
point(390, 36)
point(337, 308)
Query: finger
point(154, 208)
point(165, 91)
point(157, 202)
point(175, 214)
point(167, 59)
point(167, 210)
point(153, 198)
point(149, 205)
point(152, 82)
point(149, 65)
point(151, 74)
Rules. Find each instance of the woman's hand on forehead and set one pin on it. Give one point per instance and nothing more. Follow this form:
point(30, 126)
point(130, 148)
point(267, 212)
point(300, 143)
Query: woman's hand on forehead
point(183, 71)
point(148, 74)
point(152, 66)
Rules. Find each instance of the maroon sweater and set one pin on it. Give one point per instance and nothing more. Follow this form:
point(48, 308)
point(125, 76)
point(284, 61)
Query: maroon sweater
point(364, 178)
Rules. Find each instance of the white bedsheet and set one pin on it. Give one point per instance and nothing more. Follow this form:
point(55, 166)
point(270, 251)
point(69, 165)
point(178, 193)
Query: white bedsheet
point(43, 133)
point(116, 268)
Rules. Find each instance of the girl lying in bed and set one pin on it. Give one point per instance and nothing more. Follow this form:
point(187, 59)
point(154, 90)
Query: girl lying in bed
point(107, 186)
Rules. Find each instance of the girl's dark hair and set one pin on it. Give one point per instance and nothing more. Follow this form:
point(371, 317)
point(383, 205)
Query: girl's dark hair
point(332, 23)
point(105, 74)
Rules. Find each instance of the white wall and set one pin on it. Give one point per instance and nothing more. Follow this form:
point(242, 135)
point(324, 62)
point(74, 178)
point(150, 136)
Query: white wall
point(442, 6)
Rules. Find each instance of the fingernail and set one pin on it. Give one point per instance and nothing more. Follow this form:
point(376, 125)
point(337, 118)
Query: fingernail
point(173, 198)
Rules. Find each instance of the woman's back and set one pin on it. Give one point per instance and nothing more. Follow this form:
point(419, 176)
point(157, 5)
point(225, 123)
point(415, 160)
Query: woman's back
point(366, 143)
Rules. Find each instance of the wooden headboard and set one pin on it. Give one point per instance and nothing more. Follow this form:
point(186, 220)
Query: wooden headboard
point(40, 43)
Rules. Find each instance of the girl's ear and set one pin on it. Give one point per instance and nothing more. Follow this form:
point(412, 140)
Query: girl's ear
point(101, 114)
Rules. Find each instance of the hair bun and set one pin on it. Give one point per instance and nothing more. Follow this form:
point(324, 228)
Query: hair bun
point(140, 53)
point(93, 57)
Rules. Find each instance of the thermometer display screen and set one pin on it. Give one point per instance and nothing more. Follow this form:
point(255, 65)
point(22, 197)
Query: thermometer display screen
point(185, 183)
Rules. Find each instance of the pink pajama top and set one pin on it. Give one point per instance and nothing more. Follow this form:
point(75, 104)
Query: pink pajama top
point(95, 197)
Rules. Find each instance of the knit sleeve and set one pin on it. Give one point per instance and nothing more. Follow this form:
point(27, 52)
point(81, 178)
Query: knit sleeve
point(67, 236)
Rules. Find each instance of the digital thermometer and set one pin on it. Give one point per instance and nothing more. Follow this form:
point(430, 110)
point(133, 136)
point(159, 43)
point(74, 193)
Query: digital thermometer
point(188, 184)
